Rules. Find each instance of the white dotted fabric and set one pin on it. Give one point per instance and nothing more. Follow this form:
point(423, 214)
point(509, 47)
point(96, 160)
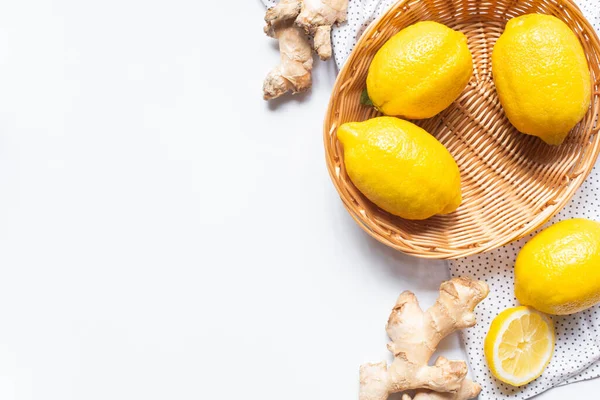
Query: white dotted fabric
point(578, 340)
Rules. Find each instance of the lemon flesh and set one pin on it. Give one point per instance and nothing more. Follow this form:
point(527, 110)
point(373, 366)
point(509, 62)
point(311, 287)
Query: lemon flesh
point(557, 271)
point(541, 76)
point(519, 345)
point(420, 71)
point(400, 167)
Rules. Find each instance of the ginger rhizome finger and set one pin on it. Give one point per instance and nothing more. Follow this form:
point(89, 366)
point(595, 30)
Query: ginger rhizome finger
point(415, 334)
point(317, 17)
point(293, 74)
point(468, 390)
point(285, 10)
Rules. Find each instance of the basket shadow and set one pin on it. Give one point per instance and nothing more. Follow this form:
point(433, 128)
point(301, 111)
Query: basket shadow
point(411, 271)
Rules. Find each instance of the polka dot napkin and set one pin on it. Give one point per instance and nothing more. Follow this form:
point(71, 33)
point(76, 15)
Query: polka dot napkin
point(577, 351)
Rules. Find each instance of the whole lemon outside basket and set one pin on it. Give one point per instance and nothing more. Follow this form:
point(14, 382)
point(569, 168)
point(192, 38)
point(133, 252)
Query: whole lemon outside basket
point(558, 271)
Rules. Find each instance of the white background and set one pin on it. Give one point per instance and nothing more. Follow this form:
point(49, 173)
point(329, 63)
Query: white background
point(166, 234)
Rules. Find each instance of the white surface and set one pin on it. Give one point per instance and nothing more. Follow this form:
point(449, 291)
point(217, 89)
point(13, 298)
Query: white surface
point(576, 354)
point(164, 233)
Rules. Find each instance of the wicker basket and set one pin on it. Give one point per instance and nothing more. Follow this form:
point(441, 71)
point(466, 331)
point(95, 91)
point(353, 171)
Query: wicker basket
point(511, 183)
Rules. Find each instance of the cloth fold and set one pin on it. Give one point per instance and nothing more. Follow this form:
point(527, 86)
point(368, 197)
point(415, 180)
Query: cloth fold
point(577, 352)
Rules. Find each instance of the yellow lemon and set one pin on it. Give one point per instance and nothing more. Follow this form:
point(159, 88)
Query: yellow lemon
point(541, 76)
point(558, 271)
point(400, 167)
point(420, 71)
point(519, 345)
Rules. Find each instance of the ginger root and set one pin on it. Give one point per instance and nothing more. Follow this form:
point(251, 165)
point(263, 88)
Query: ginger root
point(468, 390)
point(291, 22)
point(415, 335)
point(293, 74)
point(317, 17)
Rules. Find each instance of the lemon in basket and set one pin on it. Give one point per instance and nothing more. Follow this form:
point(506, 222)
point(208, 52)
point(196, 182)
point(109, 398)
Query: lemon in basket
point(420, 71)
point(542, 76)
point(400, 167)
point(519, 345)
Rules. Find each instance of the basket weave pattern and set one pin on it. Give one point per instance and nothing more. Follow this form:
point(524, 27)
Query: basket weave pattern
point(511, 182)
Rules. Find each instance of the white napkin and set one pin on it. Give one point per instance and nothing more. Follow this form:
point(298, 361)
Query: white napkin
point(577, 351)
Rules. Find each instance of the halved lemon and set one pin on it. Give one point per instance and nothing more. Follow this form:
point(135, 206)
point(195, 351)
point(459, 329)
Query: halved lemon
point(519, 345)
